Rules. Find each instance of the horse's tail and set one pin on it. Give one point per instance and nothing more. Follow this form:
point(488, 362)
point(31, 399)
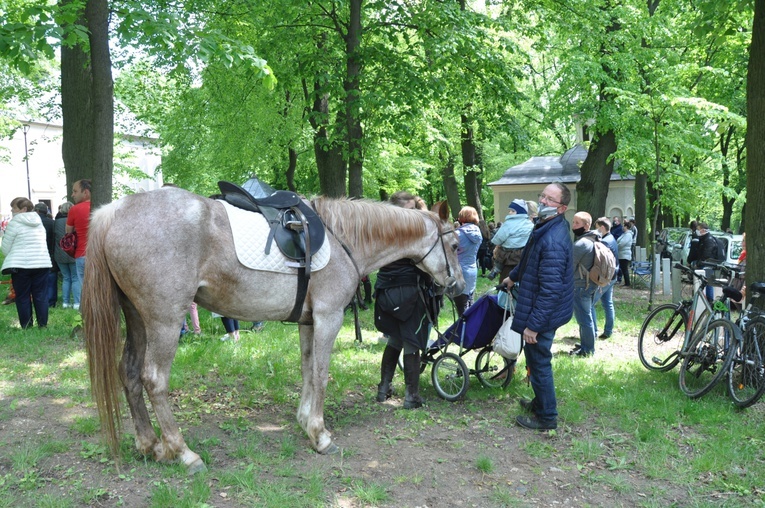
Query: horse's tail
point(101, 319)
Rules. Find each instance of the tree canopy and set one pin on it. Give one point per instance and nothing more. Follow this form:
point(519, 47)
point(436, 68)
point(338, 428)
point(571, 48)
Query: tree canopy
point(366, 98)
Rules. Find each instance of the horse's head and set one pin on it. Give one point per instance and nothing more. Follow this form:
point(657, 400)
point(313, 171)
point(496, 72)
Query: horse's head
point(440, 257)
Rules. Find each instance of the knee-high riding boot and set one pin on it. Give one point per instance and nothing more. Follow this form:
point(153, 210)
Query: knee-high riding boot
point(412, 379)
point(367, 290)
point(387, 370)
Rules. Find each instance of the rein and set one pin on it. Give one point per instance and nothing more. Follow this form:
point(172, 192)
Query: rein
point(440, 238)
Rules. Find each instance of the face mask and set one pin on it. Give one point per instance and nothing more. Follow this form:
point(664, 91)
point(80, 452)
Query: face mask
point(579, 231)
point(545, 212)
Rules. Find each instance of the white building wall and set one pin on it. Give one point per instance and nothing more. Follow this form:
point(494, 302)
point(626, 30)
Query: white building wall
point(620, 200)
point(47, 179)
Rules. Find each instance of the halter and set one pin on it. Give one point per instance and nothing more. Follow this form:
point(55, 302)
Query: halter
point(450, 281)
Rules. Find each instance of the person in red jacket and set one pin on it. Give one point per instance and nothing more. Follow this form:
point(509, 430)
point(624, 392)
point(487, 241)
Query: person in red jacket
point(78, 221)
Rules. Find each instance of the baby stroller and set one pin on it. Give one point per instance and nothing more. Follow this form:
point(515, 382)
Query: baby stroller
point(475, 330)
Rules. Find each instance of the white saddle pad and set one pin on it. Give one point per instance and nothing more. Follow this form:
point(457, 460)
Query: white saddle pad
point(251, 231)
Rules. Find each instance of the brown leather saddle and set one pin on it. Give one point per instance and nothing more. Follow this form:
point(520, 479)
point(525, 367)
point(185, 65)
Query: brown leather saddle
point(295, 227)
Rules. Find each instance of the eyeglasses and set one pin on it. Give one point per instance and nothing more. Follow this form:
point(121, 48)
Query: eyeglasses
point(548, 199)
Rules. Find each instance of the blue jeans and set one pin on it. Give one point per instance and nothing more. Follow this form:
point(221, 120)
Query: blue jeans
point(71, 284)
point(538, 361)
point(31, 286)
point(709, 291)
point(231, 325)
point(606, 297)
point(584, 299)
point(80, 263)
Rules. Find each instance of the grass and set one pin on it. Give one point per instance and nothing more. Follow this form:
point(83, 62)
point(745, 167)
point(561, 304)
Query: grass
point(617, 421)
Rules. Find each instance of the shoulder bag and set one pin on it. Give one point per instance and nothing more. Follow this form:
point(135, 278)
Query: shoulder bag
point(68, 243)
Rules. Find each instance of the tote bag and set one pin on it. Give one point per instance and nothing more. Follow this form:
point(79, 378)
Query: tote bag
point(508, 342)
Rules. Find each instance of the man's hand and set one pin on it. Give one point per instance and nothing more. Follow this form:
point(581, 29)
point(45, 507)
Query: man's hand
point(508, 282)
point(529, 336)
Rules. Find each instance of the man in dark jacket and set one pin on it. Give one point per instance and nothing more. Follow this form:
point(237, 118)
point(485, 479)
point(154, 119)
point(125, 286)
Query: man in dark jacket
point(42, 210)
point(616, 227)
point(545, 278)
point(704, 250)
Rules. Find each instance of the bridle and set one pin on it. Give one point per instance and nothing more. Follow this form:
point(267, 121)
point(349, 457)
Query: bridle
point(450, 280)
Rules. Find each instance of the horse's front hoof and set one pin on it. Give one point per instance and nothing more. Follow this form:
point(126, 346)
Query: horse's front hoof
point(332, 449)
point(197, 467)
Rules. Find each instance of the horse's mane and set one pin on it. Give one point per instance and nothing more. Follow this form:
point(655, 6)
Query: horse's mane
point(362, 223)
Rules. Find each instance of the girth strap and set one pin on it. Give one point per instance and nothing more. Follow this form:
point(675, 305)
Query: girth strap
point(304, 272)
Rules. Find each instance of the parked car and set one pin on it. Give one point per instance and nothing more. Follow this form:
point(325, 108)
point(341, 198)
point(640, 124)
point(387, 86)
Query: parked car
point(679, 244)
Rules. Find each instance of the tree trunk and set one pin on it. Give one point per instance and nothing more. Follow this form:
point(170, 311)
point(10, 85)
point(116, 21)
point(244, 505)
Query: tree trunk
point(727, 201)
point(592, 189)
point(77, 111)
point(755, 146)
point(472, 192)
point(329, 154)
point(641, 209)
point(87, 106)
point(97, 13)
point(450, 187)
point(291, 169)
point(352, 102)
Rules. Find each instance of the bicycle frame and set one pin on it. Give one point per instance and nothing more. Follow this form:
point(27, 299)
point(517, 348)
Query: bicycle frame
point(699, 301)
point(699, 313)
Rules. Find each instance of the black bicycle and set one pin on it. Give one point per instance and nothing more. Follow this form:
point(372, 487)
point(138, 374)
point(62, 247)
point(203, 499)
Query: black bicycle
point(669, 328)
point(746, 374)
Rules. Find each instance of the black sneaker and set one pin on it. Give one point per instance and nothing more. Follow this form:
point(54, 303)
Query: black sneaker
point(580, 353)
point(534, 423)
point(527, 405)
point(576, 349)
point(604, 336)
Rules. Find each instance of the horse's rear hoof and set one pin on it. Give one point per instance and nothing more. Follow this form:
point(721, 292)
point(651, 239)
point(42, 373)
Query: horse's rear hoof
point(197, 467)
point(332, 449)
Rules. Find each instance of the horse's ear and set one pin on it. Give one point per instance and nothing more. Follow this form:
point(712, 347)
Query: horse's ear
point(442, 210)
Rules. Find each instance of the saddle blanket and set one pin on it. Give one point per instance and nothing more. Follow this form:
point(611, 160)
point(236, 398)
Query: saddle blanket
point(251, 232)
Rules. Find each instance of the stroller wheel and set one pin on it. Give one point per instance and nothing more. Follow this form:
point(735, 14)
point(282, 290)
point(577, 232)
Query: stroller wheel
point(450, 377)
point(493, 370)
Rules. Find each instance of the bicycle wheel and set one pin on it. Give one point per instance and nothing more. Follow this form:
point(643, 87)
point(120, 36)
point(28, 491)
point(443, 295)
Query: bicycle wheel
point(493, 370)
point(661, 337)
point(707, 358)
point(746, 376)
point(450, 377)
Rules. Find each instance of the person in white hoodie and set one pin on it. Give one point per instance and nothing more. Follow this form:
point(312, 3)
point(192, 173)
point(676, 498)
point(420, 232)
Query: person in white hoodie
point(28, 261)
point(511, 238)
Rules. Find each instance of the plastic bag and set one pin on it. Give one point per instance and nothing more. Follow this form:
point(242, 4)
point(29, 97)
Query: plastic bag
point(507, 342)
